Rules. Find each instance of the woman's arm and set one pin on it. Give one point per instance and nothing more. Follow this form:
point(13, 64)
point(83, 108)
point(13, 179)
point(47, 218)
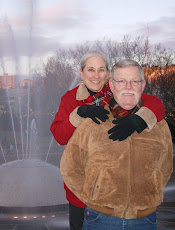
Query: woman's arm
point(152, 110)
point(62, 128)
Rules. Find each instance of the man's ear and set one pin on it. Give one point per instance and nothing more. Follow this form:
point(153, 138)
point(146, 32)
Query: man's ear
point(143, 85)
point(111, 85)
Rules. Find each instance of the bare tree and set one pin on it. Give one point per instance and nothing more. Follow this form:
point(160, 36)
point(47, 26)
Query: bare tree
point(109, 48)
point(166, 83)
point(76, 52)
point(48, 89)
point(161, 56)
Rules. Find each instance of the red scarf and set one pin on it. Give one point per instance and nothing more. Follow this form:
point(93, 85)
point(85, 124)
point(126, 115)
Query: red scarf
point(101, 98)
point(119, 112)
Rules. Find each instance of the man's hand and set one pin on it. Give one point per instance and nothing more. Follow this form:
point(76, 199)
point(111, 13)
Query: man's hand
point(93, 112)
point(125, 126)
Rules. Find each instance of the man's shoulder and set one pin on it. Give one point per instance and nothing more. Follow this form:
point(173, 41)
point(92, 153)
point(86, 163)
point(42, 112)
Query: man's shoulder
point(162, 123)
point(88, 126)
point(162, 128)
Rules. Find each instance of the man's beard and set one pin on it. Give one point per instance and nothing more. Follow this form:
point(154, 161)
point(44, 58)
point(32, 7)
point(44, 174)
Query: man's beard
point(130, 92)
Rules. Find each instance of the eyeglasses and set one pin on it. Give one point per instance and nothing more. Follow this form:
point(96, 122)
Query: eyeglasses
point(123, 82)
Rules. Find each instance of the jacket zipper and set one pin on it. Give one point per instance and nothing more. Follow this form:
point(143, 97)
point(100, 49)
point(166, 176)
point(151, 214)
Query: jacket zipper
point(129, 198)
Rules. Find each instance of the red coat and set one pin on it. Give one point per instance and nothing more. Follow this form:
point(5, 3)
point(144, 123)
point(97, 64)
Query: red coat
point(62, 129)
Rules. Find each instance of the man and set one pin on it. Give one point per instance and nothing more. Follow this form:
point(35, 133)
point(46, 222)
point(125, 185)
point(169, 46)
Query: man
point(88, 100)
point(121, 182)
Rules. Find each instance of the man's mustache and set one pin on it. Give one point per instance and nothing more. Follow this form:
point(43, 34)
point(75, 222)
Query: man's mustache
point(127, 91)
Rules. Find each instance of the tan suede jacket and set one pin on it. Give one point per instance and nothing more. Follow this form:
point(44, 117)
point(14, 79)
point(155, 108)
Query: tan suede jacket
point(124, 179)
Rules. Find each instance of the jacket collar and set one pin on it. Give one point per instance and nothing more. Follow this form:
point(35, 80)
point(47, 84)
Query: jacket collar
point(82, 92)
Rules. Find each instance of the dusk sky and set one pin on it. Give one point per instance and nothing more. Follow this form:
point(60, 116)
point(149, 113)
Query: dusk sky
point(37, 28)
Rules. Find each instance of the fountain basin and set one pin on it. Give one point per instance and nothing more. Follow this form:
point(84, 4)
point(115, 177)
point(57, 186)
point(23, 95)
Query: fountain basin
point(30, 183)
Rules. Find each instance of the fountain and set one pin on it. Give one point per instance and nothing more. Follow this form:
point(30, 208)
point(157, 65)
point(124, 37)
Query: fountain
point(29, 184)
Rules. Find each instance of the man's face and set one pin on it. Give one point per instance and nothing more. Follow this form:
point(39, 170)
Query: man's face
point(94, 74)
point(127, 96)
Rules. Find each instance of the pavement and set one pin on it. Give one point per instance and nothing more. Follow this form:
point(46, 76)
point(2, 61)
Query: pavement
point(59, 222)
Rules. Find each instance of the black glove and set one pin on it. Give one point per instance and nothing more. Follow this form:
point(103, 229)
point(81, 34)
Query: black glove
point(125, 126)
point(93, 112)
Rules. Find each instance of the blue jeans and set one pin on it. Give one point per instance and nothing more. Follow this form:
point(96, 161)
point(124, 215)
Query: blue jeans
point(94, 220)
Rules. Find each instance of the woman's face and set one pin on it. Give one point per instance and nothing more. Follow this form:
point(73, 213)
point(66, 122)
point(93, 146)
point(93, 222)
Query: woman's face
point(94, 74)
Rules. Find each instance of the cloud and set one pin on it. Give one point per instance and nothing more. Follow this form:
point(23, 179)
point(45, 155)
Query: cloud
point(161, 31)
point(42, 30)
point(64, 17)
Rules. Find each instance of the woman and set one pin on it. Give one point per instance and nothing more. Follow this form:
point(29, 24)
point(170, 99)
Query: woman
point(87, 100)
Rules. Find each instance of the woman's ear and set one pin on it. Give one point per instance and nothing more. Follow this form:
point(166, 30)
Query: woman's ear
point(81, 74)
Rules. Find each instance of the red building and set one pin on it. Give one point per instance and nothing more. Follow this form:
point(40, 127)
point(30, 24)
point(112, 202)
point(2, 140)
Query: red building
point(24, 83)
point(7, 81)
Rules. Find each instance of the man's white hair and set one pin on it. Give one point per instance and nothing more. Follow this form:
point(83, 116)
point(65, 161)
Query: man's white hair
point(125, 63)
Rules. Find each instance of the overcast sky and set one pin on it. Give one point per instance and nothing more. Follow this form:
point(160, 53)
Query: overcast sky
point(35, 28)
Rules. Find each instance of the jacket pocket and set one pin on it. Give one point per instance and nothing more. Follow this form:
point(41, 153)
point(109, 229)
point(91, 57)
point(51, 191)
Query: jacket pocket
point(157, 187)
point(95, 185)
point(109, 188)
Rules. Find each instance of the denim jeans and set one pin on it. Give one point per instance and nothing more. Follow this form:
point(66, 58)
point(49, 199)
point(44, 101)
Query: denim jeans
point(94, 220)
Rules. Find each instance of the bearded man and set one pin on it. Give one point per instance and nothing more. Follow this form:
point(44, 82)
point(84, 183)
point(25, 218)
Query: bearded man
point(121, 182)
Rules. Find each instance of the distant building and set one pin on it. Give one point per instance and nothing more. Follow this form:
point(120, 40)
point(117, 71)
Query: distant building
point(7, 81)
point(24, 83)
